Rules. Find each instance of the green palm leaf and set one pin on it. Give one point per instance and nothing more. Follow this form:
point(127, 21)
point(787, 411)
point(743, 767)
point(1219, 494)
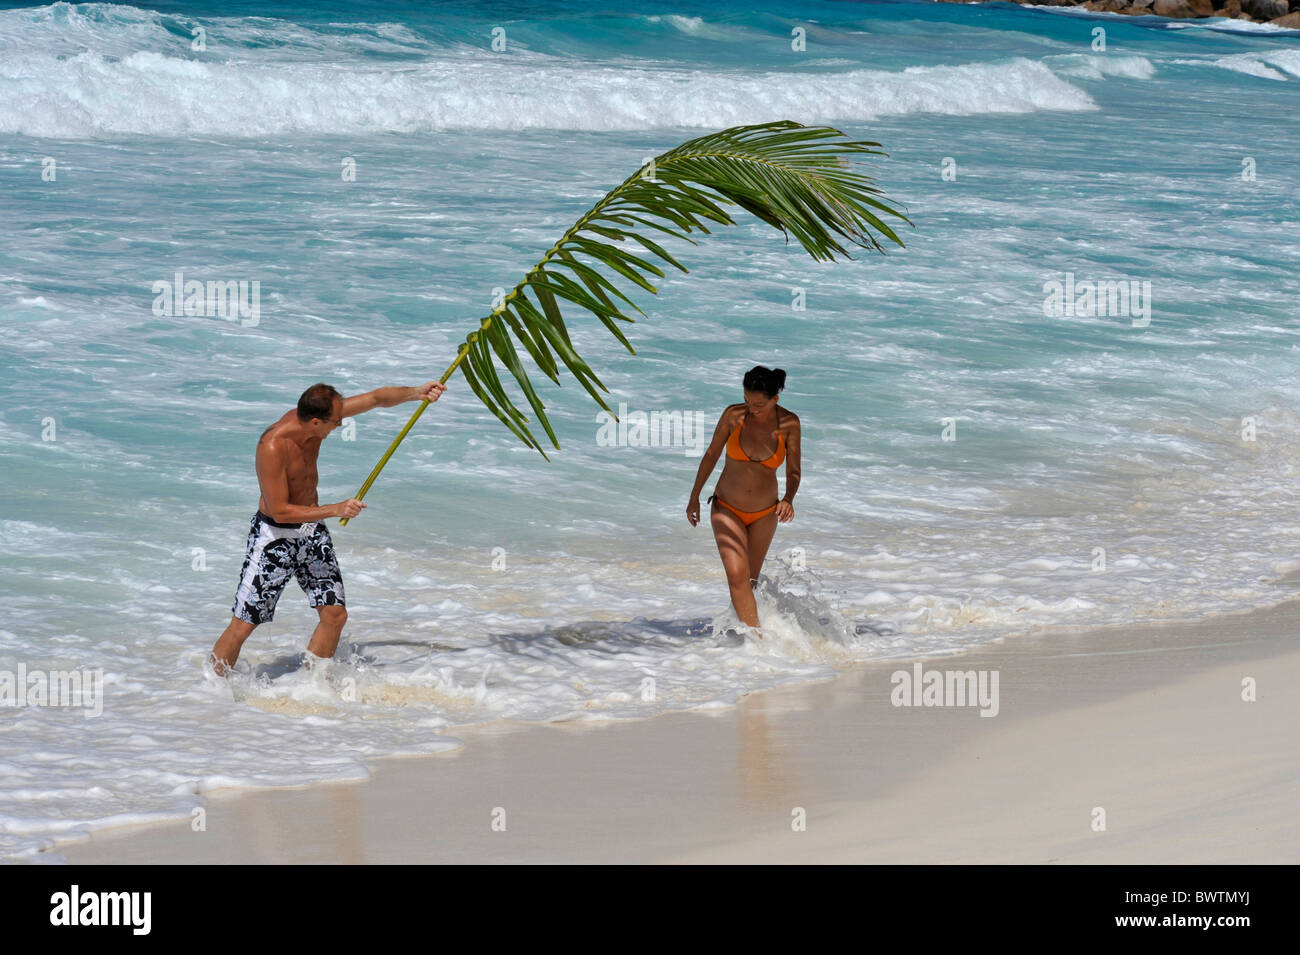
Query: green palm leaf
point(797, 178)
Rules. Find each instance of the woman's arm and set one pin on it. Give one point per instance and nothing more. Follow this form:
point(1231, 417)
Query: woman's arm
point(708, 462)
point(711, 454)
point(792, 473)
point(792, 461)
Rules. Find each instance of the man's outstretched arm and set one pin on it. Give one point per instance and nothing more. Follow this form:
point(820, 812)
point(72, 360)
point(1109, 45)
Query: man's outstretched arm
point(387, 397)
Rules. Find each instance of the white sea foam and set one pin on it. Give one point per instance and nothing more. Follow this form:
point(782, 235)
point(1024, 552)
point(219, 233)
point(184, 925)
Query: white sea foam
point(1272, 65)
point(102, 70)
point(1288, 60)
point(1227, 25)
point(692, 26)
point(1094, 67)
point(117, 30)
point(152, 93)
point(171, 735)
point(1242, 63)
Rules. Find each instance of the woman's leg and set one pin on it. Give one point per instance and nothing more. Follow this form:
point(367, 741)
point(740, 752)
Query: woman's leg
point(760, 539)
point(733, 546)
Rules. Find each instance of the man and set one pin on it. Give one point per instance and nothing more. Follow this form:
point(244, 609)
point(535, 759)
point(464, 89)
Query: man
point(287, 535)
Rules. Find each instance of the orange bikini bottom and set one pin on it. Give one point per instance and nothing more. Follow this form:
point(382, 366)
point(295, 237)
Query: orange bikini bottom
point(747, 516)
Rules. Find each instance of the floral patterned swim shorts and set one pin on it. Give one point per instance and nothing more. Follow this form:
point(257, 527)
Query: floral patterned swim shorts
point(274, 552)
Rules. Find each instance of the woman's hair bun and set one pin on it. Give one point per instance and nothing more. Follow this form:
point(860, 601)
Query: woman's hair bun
point(767, 380)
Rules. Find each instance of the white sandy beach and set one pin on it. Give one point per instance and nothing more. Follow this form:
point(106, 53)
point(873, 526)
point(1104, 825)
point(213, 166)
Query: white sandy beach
point(1147, 723)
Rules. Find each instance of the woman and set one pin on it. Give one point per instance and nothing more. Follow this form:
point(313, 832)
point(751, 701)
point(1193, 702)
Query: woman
point(757, 435)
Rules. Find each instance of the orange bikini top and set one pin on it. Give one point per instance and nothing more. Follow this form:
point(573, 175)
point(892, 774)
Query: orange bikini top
point(735, 451)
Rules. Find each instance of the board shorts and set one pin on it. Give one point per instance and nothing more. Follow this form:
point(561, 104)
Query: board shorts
point(276, 551)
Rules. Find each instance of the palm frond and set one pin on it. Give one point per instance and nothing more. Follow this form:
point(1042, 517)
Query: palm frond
point(799, 179)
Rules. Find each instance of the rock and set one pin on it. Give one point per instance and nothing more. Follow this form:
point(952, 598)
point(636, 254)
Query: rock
point(1295, 6)
point(1266, 9)
point(1106, 6)
point(1182, 9)
point(1291, 21)
point(1230, 9)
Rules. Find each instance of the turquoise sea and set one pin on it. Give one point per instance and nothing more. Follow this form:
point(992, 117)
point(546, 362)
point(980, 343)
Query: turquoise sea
point(977, 463)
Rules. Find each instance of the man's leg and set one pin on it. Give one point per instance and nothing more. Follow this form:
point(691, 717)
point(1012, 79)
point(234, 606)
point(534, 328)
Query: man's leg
point(325, 638)
point(226, 652)
point(317, 570)
point(267, 565)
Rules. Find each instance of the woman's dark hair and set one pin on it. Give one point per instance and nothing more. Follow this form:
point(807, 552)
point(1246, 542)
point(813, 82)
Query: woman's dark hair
point(317, 402)
point(767, 380)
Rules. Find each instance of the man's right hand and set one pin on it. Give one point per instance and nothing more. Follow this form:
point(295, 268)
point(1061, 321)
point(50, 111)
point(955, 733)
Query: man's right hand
point(348, 509)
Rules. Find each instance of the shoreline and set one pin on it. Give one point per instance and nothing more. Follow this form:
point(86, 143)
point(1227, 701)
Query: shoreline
point(721, 785)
